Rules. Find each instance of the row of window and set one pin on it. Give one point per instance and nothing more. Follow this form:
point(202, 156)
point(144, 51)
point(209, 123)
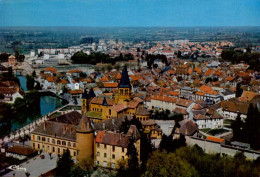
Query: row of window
point(105, 155)
point(54, 141)
point(121, 92)
point(54, 149)
point(113, 147)
point(142, 118)
point(97, 109)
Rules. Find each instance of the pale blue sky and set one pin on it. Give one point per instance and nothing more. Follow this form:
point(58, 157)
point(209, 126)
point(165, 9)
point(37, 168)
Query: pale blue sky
point(170, 13)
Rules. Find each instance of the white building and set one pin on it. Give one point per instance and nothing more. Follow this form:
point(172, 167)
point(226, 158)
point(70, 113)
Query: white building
point(204, 121)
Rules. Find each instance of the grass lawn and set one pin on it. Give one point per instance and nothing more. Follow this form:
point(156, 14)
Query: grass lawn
point(94, 114)
point(228, 126)
point(228, 121)
point(56, 114)
point(205, 130)
point(71, 108)
point(217, 131)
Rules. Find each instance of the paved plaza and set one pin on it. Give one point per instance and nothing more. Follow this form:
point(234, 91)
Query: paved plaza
point(166, 126)
point(36, 166)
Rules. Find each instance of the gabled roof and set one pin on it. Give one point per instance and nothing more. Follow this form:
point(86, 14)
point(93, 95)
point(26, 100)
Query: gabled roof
point(99, 101)
point(180, 111)
point(119, 107)
point(133, 104)
point(56, 129)
point(142, 111)
point(21, 150)
point(110, 85)
point(188, 127)
point(51, 69)
point(72, 117)
point(184, 103)
point(201, 117)
point(247, 96)
point(112, 138)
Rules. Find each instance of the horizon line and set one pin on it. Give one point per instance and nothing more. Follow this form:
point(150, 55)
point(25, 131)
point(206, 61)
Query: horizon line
point(135, 26)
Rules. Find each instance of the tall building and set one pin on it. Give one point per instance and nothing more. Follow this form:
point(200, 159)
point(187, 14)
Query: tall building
point(124, 88)
point(84, 140)
point(75, 132)
point(100, 109)
point(85, 100)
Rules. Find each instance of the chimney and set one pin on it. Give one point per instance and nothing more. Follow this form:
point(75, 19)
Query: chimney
point(104, 126)
point(113, 121)
point(64, 129)
point(44, 125)
point(70, 130)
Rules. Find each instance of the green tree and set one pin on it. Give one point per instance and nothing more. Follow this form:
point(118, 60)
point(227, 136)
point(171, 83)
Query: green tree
point(133, 165)
point(179, 54)
point(10, 72)
point(117, 67)
point(33, 73)
point(17, 54)
point(64, 164)
point(109, 67)
point(82, 74)
point(239, 90)
point(251, 127)
point(163, 164)
point(76, 171)
point(121, 167)
point(87, 165)
point(209, 79)
point(6, 112)
point(29, 82)
point(125, 126)
point(237, 127)
point(38, 86)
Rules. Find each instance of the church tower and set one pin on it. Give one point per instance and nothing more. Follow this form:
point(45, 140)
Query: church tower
point(105, 111)
point(84, 140)
point(124, 87)
point(85, 100)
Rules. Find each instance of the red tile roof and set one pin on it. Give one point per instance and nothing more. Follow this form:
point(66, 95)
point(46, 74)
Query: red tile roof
point(215, 139)
point(110, 85)
point(119, 107)
point(51, 69)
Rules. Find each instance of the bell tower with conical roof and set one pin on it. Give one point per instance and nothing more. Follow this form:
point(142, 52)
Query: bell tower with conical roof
point(85, 100)
point(105, 109)
point(124, 87)
point(84, 140)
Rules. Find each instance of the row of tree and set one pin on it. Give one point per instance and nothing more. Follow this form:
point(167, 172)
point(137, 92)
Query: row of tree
point(150, 59)
point(94, 58)
point(166, 115)
point(192, 161)
point(183, 162)
point(30, 83)
point(29, 104)
point(248, 131)
point(4, 57)
point(237, 56)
